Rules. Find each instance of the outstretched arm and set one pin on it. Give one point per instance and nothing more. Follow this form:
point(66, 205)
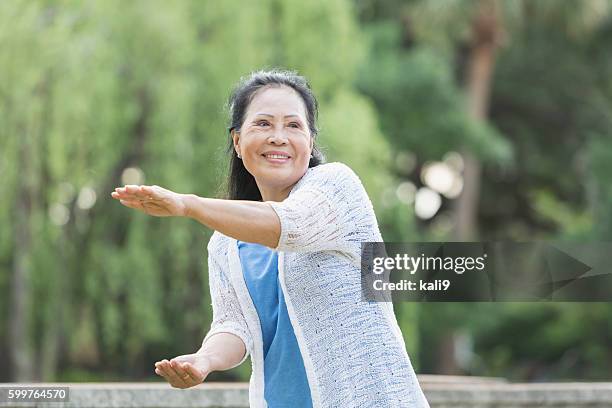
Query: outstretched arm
point(330, 211)
point(249, 221)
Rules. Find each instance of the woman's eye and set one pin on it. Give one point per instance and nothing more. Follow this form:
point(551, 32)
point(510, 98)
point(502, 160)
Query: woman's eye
point(261, 122)
point(294, 124)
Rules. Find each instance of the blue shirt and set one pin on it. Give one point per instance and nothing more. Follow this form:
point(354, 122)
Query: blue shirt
point(285, 381)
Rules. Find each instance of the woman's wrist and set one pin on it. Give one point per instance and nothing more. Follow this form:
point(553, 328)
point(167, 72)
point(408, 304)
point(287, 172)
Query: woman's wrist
point(189, 201)
point(212, 359)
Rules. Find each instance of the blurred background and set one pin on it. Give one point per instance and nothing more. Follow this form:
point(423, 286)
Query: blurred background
point(465, 119)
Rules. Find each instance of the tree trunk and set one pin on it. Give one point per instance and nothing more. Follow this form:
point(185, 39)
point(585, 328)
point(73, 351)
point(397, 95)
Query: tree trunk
point(21, 363)
point(52, 328)
point(486, 31)
point(447, 362)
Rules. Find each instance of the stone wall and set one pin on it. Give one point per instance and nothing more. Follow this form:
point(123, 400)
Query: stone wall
point(441, 391)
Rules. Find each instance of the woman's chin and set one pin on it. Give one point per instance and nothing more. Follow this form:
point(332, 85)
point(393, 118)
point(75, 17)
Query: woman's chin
point(278, 178)
point(276, 175)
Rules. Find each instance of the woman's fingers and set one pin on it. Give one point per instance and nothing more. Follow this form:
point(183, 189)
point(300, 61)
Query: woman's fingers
point(179, 369)
point(179, 374)
point(190, 377)
point(136, 192)
point(129, 200)
point(133, 189)
point(150, 191)
point(163, 370)
point(122, 195)
point(175, 379)
point(161, 366)
point(195, 374)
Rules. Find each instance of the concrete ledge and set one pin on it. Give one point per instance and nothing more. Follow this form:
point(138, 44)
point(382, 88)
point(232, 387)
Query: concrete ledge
point(154, 394)
point(441, 391)
point(459, 379)
point(551, 395)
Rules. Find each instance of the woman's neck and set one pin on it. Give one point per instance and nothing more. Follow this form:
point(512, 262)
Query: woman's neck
point(274, 193)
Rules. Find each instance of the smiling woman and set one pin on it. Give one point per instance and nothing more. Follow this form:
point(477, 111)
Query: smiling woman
point(271, 105)
point(284, 264)
point(275, 146)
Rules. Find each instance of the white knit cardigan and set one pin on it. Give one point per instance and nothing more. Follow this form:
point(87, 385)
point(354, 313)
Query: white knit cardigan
point(353, 351)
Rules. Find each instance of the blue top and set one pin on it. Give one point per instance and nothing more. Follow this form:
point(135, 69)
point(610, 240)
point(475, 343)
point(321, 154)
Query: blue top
point(285, 381)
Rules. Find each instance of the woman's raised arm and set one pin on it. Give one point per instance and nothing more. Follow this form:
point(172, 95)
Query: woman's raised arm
point(249, 221)
point(331, 211)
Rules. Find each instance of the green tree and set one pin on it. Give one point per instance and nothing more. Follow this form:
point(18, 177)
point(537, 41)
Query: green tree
point(99, 94)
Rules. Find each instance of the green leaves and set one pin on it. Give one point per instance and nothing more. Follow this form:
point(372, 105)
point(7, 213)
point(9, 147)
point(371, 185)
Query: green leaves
point(91, 90)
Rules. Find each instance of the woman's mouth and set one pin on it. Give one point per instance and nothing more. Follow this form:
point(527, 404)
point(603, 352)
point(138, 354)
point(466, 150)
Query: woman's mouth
point(276, 157)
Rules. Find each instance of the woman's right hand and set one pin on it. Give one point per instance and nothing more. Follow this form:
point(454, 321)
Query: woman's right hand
point(152, 200)
point(185, 371)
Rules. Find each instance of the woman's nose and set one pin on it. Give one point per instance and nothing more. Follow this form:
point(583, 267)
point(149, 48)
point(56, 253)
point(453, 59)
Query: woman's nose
point(278, 137)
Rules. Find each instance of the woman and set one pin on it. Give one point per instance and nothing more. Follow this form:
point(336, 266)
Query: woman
point(284, 264)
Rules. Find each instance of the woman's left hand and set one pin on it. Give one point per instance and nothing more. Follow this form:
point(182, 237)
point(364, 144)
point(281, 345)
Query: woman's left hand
point(152, 200)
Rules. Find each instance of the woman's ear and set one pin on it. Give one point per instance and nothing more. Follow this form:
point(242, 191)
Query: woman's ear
point(236, 140)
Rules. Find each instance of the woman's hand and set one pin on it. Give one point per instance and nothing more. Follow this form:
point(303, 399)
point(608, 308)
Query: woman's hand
point(152, 200)
point(185, 371)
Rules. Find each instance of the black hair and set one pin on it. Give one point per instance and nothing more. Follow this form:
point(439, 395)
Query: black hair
point(240, 183)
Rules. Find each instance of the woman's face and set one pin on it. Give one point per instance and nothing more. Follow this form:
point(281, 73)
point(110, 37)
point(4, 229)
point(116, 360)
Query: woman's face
point(275, 141)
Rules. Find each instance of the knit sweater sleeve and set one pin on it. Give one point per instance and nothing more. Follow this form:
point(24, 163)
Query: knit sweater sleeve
point(329, 211)
point(227, 312)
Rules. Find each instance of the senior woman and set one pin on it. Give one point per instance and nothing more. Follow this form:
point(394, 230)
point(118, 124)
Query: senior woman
point(284, 264)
